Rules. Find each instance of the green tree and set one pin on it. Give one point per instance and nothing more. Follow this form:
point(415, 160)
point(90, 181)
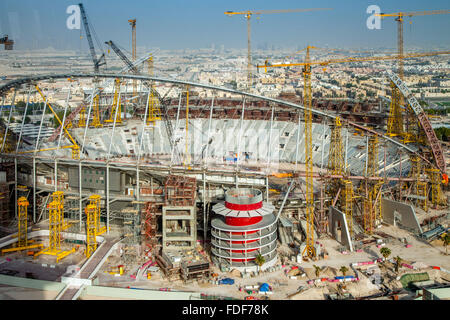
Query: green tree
point(398, 263)
point(446, 241)
point(20, 105)
point(385, 252)
point(344, 270)
point(317, 270)
point(60, 116)
point(260, 260)
point(27, 119)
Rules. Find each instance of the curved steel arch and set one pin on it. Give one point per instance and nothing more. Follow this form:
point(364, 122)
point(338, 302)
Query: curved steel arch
point(18, 82)
point(423, 119)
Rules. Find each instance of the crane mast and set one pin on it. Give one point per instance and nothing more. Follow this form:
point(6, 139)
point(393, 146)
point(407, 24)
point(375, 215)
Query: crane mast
point(248, 14)
point(97, 62)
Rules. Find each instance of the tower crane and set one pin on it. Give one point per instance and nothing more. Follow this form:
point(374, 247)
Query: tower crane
point(248, 14)
point(399, 17)
point(307, 101)
point(395, 126)
point(133, 48)
point(97, 62)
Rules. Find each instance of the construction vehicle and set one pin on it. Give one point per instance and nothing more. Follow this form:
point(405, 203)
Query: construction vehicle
point(9, 43)
point(97, 61)
point(248, 14)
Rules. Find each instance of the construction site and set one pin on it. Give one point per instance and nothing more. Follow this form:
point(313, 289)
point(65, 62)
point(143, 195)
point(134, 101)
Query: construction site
point(189, 190)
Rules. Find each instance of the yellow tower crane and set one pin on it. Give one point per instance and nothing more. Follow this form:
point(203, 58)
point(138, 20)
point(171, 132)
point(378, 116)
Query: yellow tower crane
point(395, 121)
point(248, 14)
point(309, 249)
point(133, 48)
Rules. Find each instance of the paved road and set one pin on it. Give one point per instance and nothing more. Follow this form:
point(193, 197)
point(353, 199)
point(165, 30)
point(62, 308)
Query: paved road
point(90, 266)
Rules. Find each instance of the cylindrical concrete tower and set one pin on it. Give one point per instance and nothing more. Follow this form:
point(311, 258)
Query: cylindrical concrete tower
point(244, 227)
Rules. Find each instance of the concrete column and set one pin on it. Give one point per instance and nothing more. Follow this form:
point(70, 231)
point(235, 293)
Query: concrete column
point(267, 188)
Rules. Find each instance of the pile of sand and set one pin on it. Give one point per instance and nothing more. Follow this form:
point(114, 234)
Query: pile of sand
point(311, 294)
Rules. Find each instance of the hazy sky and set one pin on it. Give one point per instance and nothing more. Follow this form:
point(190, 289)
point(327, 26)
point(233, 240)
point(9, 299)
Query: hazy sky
point(177, 24)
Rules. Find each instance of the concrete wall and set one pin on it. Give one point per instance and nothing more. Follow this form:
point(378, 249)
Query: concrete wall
point(400, 214)
point(94, 178)
point(140, 294)
point(31, 283)
point(336, 217)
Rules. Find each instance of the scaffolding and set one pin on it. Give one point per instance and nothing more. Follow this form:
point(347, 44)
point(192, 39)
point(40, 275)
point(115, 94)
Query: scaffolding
point(419, 186)
point(116, 106)
point(347, 203)
point(336, 161)
point(131, 229)
point(22, 228)
point(94, 200)
point(96, 122)
point(91, 229)
point(436, 189)
point(55, 227)
point(179, 191)
point(154, 113)
point(82, 118)
point(371, 202)
point(395, 119)
point(149, 227)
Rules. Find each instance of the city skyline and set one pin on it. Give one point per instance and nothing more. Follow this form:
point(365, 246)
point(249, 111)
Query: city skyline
point(177, 25)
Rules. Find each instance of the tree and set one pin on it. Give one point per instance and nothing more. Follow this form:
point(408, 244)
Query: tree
point(317, 270)
point(385, 252)
point(398, 263)
point(27, 119)
point(446, 241)
point(260, 260)
point(344, 270)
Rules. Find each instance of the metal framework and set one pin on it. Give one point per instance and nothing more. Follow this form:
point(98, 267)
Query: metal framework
point(395, 119)
point(372, 200)
point(307, 100)
point(91, 229)
point(436, 190)
point(22, 225)
point(149, 227)
point(96, 122)
point(180, 191)
point(347, 203)
point(419, 186)
point(94, 200)
point(55, 228)
point(116, 106)
point(154, 113)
